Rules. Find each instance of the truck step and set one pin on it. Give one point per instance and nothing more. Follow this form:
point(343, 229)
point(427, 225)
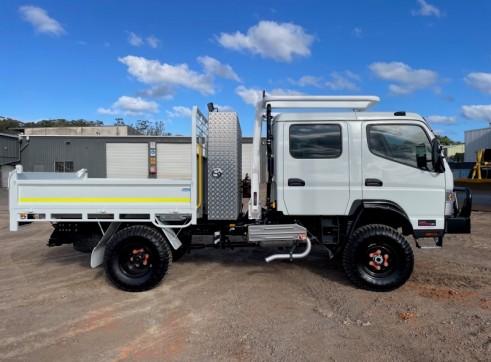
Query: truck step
point(329, 240)
point(438, 244)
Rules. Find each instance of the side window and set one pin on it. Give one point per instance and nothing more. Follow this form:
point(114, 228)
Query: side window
point(315, 141)
point(63, 166)
point(403, 143)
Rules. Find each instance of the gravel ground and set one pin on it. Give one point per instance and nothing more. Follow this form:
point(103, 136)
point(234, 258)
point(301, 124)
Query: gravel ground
point(229, 305)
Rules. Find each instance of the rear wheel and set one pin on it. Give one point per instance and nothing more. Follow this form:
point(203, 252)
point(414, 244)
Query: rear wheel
point(378, 258)
point(137, 258)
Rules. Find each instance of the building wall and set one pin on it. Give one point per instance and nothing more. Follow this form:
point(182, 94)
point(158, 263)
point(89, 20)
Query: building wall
point(9, 149)
point(450, 151)
point(474, 141)
point(39, 154)
point(82, 131)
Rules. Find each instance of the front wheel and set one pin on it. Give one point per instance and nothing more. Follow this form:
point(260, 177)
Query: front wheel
point(378, 258)
point(137, 258)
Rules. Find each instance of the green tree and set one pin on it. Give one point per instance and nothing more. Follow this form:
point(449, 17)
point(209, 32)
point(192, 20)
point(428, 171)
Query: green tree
point(458, 157)
point(445, 141)
point(7, 125)
point(60, 122)
point(149, 128)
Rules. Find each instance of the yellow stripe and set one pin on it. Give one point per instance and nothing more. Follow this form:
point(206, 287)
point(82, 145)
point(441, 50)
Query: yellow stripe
point(106, 199)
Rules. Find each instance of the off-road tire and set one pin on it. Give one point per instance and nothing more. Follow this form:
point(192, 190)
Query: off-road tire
point(137, 258)
point(378, 258)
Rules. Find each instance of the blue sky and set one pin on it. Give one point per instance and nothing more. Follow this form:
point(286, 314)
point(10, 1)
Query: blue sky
point(108, 59)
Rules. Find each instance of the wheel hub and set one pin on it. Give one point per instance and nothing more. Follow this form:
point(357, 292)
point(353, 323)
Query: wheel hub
point(379, 260)
point(139, 258)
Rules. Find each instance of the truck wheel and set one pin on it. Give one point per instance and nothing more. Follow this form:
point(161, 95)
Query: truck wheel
point(137, 258)
point(378, 258)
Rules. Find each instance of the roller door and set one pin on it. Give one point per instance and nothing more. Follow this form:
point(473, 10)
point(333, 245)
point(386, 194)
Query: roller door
point(127, 160)
point(246, 159)
point(174, 160)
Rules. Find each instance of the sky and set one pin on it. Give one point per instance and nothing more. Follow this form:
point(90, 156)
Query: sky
point(154, 60)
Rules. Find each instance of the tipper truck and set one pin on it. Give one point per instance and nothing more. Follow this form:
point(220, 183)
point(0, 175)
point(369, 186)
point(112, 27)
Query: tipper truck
point(357, 183)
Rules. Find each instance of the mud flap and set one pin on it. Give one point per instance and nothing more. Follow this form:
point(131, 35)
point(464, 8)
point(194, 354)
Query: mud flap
point(172, 237)
point(97, 257)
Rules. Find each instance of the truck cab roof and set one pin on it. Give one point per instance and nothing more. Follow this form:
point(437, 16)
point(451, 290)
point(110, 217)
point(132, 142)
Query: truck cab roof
point(348, 116)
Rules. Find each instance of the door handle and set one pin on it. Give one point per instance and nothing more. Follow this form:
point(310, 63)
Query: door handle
point(373, 182)
point(296, 182)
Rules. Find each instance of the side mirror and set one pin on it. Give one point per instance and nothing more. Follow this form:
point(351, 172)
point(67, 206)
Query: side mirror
point(436, 156)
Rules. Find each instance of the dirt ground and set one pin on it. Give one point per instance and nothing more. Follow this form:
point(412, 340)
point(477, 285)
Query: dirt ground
point(229, 305)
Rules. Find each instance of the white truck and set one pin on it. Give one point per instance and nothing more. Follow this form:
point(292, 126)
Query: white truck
point(355, 182)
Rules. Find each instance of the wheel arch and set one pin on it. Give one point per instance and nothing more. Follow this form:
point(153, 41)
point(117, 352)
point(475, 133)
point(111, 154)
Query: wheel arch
point(383, 212)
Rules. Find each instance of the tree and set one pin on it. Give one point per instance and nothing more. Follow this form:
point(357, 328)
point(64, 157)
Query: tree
point(142, 127)
point(445, 141)
point(458, 157)
point(61, 122)
point(6, 125)
point(148, 128)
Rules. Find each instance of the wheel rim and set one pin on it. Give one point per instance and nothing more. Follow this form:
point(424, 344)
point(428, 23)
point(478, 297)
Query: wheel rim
point(135, 259)
point(379, 260)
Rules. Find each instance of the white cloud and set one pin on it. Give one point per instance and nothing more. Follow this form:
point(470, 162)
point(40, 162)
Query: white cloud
point(441, 119)
point(131, 106)
point(477, 112)
point(479, 81)
point(102, 110)
point(41, 21)
point(339, 81)
point(249, 95)
point(179, 112)
point(283, 92)
point(165, 78)
point(254, 95)
point(134, 39)
point(153, 42)
point(426, 9)
point(358, 32)
point(310, 80)
point(224, 108)
point(214, 67)
point(408, 80)
point(269, 39)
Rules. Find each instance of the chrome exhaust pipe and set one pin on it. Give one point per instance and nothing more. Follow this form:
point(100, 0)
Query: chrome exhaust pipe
point(291, 255)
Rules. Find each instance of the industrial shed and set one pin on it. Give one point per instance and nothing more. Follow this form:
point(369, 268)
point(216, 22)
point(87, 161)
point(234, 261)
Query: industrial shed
point(9, 155)
point(476, 140)
point(114, 156)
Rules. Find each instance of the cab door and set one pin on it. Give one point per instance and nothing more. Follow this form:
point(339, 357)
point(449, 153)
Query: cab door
point(396, 167)
point(314, 175)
